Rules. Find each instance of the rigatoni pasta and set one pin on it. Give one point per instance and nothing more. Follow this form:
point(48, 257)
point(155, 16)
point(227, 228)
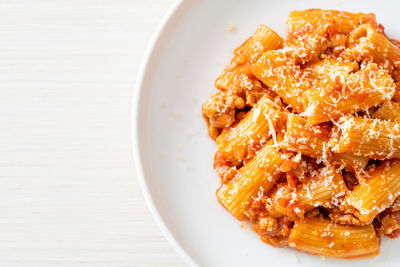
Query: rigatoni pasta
point(312, 141)
point(368, 43)
point(259, 174)
point(262, 40)
point(260, 124)
point(389, 110)
point(371, 138)
point(376, 192)
point(368, 87)
point(331, 68)
point(285, 79)
point(324, 238)
point(323, 189)
point(308, 134)
point(346, 21)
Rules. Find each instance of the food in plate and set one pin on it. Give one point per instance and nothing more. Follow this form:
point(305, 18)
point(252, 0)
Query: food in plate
point(308, 134)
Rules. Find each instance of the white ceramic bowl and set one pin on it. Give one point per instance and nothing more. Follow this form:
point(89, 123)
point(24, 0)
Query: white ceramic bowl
point(173, 153)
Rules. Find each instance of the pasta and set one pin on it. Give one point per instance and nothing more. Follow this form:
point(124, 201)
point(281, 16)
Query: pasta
point(370, 44)
point(260, 124)
point(262, 40)
point(346, 21)
point(312, 141)
point(321, 237)
point(388, 111)
point(376, 192)
point(323, 189)
point(307, 131)
point(311, 32)
point(331, 68)
point(371, 138)
point(285, 79)
point(366, 88)
point(261, 172)
point(237, 87)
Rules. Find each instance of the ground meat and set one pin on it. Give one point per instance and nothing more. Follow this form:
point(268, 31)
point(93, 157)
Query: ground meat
point(257, 91)
point(286, 201)
point(221, 108)
point(338, 216)
point(240, 115)
point(225, 171)
point(388, 222)
point(391, 224)
point(337, 43)
point(274, 231)
point(252, 150)
point(257, 208)
point(267, 224)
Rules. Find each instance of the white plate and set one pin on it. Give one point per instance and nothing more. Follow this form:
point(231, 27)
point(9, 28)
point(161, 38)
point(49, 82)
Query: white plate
point(172, 150)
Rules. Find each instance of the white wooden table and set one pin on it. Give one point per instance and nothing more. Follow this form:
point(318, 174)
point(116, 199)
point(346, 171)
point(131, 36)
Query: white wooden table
point(68, 189)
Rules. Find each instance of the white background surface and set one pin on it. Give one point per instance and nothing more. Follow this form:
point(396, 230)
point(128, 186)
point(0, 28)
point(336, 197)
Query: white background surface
point(68, 191)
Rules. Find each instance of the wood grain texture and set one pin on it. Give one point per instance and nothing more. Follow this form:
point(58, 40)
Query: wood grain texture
point(68, 192)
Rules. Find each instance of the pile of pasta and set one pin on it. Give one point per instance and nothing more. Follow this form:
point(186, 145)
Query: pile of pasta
point(308, 134)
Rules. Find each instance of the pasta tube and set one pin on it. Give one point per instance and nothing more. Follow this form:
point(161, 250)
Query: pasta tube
point(229, 76)
point(331, 68)
point(323, 187)
point(260, 173)
point(366, 88)
point(369, 44)
point(371, 138)
point(324, 238)
point(283, 77)
point(310, 32)
point(376, 192)
point(262, 40)
point(259, 125)
point(312, 141)
point(327, 186)
point(388, 111)
point(345, 21)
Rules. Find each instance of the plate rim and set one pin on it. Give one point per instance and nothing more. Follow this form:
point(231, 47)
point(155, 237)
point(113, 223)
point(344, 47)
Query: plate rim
point(168, 17)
